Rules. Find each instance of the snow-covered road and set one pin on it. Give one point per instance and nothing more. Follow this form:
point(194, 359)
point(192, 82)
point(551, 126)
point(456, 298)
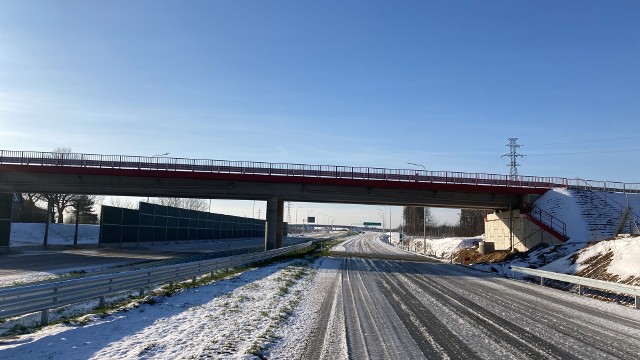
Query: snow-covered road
point(358, 307)
point(381, 308)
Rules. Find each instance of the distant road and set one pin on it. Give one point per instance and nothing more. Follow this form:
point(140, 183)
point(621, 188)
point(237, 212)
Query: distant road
point(392, 309)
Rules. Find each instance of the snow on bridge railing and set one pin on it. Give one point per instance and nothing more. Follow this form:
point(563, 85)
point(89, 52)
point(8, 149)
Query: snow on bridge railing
point(302, 170)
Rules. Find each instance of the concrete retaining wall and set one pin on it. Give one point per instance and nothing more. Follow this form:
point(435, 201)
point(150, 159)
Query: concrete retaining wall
point(525, 233)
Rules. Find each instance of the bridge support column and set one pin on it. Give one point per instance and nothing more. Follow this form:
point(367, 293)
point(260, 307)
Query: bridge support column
point(280, 228)
point(511, 228)
point(275, 217)
point(6, 201)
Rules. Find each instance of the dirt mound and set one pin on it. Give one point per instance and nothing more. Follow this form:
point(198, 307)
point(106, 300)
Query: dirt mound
point(596, 267)
point(472, 256)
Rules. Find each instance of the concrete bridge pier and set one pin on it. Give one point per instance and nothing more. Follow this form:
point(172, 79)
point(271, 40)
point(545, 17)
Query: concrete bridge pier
point(275, 224)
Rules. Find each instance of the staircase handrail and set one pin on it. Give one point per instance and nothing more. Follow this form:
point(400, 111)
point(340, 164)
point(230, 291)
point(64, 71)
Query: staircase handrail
point(623, 207)
point(549, 220)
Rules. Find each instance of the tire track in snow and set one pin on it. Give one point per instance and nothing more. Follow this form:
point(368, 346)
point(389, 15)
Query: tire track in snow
point(501, 328)
point(542, 315)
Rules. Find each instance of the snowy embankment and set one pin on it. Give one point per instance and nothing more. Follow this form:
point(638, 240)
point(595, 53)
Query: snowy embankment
point(612, 260)
point(32, 234)
point(234, 318)
point(442, 248)
point(590, 215)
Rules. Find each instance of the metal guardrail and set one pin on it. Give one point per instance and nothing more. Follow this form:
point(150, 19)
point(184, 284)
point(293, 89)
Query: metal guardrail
point(32, 298)
point(583, 282)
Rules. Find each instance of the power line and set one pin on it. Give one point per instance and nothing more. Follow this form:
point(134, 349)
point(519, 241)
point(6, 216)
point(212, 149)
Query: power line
point(513, 156)
point(588, 141)
point(610, 151)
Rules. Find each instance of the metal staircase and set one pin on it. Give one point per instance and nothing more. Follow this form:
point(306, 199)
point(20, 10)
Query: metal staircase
point(547, 222)
point(627, 215)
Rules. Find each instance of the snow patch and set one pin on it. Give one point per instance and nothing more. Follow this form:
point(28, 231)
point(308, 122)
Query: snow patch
point(32, 234)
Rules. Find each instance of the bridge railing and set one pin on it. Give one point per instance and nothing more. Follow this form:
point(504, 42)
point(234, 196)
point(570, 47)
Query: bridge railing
point(609, 186)
point(302, 170)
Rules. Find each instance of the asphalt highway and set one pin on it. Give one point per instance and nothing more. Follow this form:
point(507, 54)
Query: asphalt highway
point(381, 308)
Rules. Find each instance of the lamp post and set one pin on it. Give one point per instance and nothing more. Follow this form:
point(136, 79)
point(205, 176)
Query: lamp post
point(381, 213)
point(424, 216)
point(389, 222)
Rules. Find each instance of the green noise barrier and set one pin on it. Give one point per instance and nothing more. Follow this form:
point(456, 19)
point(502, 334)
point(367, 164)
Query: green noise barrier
point(158, 223)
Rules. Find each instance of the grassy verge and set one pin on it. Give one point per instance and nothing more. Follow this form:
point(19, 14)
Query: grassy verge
point(324, 248)
point(295, 272)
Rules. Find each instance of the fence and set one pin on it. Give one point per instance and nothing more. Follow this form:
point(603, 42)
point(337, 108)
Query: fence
point(29, 299)
point(157, 223)
point(302, 170)
point(583, 282)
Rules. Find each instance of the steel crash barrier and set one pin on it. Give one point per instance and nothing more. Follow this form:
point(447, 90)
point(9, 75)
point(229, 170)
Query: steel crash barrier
point(583, 282)
point(43, 297)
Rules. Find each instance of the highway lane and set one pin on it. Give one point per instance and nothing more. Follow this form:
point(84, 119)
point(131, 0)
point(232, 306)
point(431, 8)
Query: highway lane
point(392, 309)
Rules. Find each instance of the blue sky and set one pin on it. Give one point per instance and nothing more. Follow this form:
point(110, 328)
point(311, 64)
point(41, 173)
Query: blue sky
point(366, 83)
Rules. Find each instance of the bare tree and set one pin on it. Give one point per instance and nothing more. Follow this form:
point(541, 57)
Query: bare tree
point(184, 203)
point(30, 211)
point(416, 218)
point(121, 202)
point(59, 202)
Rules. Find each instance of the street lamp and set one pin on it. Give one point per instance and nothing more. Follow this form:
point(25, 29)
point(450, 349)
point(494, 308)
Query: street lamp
point(424, 217)
point(381, 213)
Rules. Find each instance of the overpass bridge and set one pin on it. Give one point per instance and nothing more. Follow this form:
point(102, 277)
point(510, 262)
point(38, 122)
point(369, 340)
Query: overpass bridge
point(124, 175)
